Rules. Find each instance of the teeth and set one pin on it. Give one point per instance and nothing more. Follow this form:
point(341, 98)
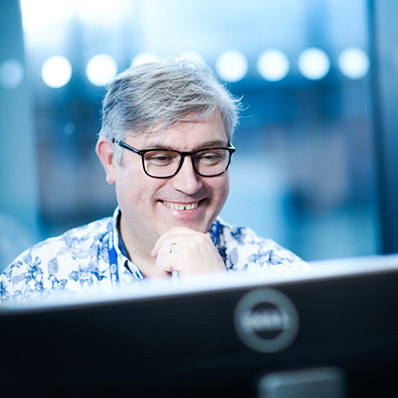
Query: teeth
point(176, 206)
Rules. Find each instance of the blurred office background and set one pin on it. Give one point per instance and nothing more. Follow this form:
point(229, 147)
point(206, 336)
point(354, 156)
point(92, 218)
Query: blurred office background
point(308, 170)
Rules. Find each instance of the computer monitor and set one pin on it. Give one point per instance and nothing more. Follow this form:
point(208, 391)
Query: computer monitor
point(332, 330)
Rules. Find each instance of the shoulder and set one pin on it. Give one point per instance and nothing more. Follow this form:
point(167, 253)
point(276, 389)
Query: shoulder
point(48, 265)
point(238, 235)
point(235, 236)
point(76, 242)
point(245, 250)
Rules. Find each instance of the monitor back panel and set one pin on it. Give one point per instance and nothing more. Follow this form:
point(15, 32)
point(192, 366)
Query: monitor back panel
point(190, 345)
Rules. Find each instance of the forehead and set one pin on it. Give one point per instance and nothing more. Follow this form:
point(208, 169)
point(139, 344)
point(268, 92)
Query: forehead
point(186, 135)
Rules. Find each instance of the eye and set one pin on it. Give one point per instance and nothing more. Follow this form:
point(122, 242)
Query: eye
point(211, 157)
point(160, 158)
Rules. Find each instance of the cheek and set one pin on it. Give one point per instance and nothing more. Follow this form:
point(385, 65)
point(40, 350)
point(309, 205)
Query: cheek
point(128, 187)
point(221, 189)
point(136, 190)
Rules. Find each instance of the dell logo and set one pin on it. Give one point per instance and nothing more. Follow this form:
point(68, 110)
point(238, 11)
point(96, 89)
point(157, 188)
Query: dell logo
point(266, 320)
point(262, 321)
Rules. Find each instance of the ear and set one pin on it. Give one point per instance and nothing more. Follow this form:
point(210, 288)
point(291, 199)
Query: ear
point(105, 153)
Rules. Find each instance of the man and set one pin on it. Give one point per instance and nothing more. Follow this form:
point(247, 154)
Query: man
point(165, 143)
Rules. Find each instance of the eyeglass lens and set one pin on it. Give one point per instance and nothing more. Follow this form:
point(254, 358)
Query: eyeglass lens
point(164, 163)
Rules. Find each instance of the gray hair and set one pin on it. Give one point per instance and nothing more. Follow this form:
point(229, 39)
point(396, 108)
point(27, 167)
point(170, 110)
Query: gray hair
point(158, 94)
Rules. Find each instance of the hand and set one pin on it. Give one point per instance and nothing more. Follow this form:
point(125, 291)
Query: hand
point(186, 251)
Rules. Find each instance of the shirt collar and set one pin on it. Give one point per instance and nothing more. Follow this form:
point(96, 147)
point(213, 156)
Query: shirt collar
point(118, 238)
point(123, 259)
point(118, 241)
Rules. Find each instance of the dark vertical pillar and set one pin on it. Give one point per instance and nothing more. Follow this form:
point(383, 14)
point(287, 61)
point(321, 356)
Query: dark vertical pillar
point(384, 51)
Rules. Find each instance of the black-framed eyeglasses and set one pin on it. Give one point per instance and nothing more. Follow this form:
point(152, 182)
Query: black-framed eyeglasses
point(166, 163)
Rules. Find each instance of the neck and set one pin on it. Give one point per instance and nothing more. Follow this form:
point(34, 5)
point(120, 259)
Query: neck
point(139, 250)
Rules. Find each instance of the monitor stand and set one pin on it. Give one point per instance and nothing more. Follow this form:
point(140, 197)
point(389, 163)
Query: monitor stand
point(325, 382)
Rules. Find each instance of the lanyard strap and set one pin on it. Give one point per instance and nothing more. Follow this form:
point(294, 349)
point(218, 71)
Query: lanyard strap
point(113, 268)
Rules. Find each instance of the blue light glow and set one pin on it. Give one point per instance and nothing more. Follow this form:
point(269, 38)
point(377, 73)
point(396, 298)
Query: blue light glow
point(11, 73)
point(353, 62)
point(313, 63)
point(191, 55)
point(56, 71)
point(232, 66)
point(101, 69)
point(144, 58)
point(273, 65)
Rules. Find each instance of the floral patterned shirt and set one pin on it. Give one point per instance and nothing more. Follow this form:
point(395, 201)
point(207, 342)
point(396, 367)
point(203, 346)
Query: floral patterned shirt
point(77, 262)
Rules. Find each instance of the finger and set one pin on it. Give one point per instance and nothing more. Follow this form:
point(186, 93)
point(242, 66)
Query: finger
point(163, 273)
point(164, 263)
point(173, 235)
point(165, 244)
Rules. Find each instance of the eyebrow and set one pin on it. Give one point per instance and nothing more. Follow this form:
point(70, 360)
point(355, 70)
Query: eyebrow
point(207, 144)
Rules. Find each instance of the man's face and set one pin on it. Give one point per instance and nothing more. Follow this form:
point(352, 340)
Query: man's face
point(151, 206)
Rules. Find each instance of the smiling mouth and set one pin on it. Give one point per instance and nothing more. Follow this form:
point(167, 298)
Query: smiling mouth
point(180, 206)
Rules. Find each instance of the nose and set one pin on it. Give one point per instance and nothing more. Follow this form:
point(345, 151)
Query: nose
point(187, 180)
